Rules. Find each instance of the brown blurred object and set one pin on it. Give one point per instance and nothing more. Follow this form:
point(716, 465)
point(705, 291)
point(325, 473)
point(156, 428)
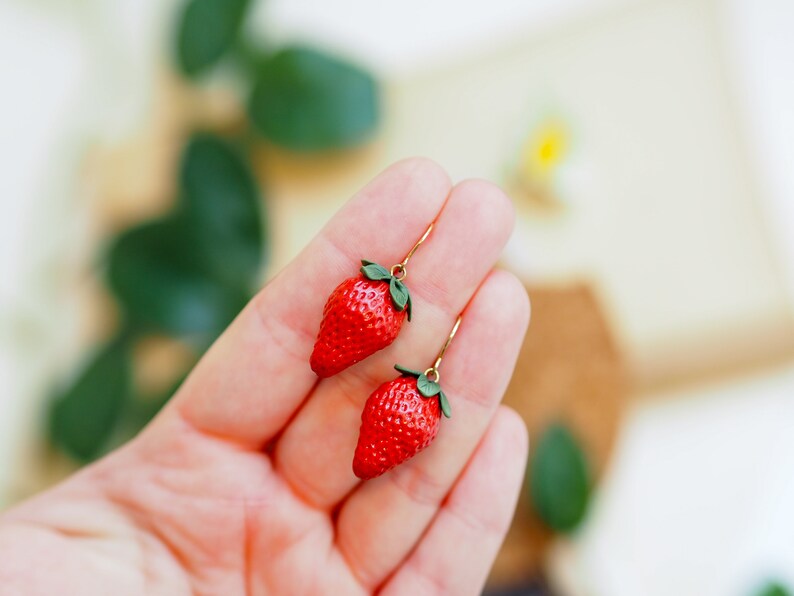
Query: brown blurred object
point(569, 369)
point(159, 361)
point(134, 178)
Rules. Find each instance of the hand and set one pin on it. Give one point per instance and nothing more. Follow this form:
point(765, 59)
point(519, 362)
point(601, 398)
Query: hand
point(243, 483)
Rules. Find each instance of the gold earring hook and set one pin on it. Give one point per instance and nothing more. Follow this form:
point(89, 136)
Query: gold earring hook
point(433, 370)
point(399, 270)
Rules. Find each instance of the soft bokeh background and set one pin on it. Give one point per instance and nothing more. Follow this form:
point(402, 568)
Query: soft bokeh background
point(648, 146)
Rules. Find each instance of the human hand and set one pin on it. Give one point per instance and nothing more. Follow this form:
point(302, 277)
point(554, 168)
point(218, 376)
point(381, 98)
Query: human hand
point(243, 483)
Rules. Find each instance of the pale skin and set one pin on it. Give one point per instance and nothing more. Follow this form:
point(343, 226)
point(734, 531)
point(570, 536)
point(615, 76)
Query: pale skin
point(243, 483)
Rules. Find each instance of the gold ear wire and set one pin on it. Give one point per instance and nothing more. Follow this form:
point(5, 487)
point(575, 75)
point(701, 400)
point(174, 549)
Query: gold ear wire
point(433, 370)
point(399, 270)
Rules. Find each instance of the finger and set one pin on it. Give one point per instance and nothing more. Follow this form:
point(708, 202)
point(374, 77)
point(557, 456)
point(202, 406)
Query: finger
point(254, 377)
point(316, 450)
point(475, 374)
point(456, 553)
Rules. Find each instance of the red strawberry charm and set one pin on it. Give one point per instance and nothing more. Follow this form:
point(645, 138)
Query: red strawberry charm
point(399, 420)
point(364, 314)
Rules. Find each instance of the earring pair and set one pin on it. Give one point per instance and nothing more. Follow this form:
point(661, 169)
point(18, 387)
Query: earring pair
point(363, 315)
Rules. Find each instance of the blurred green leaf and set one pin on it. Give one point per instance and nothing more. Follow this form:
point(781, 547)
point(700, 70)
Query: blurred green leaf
point(559, 479)
point(157, 272)
point(308, 101)
point(206, 30)
point(222, 204)
point(143, 408)
point(773, 588)
point(191, 273)
point(83, 417)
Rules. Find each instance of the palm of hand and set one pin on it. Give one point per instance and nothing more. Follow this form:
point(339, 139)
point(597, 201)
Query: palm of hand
point(243, 484)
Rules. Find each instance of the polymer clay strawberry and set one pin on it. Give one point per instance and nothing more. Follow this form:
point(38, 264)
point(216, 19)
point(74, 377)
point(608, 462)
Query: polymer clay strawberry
point(399, 420)
point(363, 314)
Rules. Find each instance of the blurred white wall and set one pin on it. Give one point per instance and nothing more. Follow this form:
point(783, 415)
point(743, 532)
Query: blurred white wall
point(698, 501)
point(40, 76)
point(759, 39)
point(699, 497)
point(415, 36)
point(73, 74)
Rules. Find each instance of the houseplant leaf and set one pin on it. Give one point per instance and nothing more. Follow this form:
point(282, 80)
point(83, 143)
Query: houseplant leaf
point(164, 284)
point(306, 100)
point(206, 29)
point(559, 479)
point(83, 416)
point(222, 204)
point(774, 588)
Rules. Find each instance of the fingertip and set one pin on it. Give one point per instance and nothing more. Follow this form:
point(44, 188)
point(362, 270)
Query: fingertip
point(516, 295)
point(385, 218)
point(425, 169)
point(493, 208)
point(420, 177)
point(512, 431)
point(503, 299)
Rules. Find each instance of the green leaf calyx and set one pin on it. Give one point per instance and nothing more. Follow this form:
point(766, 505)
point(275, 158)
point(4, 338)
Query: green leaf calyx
point(399, 293)
point(374, 271)
point(400, 296)
point(427, 387)
point(407, 371)
point(443, 402)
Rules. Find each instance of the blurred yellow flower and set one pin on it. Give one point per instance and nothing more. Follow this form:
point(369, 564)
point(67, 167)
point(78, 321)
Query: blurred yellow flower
point(544, 150)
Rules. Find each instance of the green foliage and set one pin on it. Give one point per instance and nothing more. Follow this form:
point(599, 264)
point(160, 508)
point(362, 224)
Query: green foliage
point(164, 285)
point(305, 100)
point(222, 205)
point(84, 415)
point(206, 30)
point(188, 274)
point(559, 479)
point(774, 588)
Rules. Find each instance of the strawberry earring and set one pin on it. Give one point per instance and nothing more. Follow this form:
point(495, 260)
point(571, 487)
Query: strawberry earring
point(401, 418)
point(363, 314)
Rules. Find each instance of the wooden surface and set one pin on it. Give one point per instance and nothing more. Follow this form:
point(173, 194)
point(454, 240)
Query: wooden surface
point(571, 370)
